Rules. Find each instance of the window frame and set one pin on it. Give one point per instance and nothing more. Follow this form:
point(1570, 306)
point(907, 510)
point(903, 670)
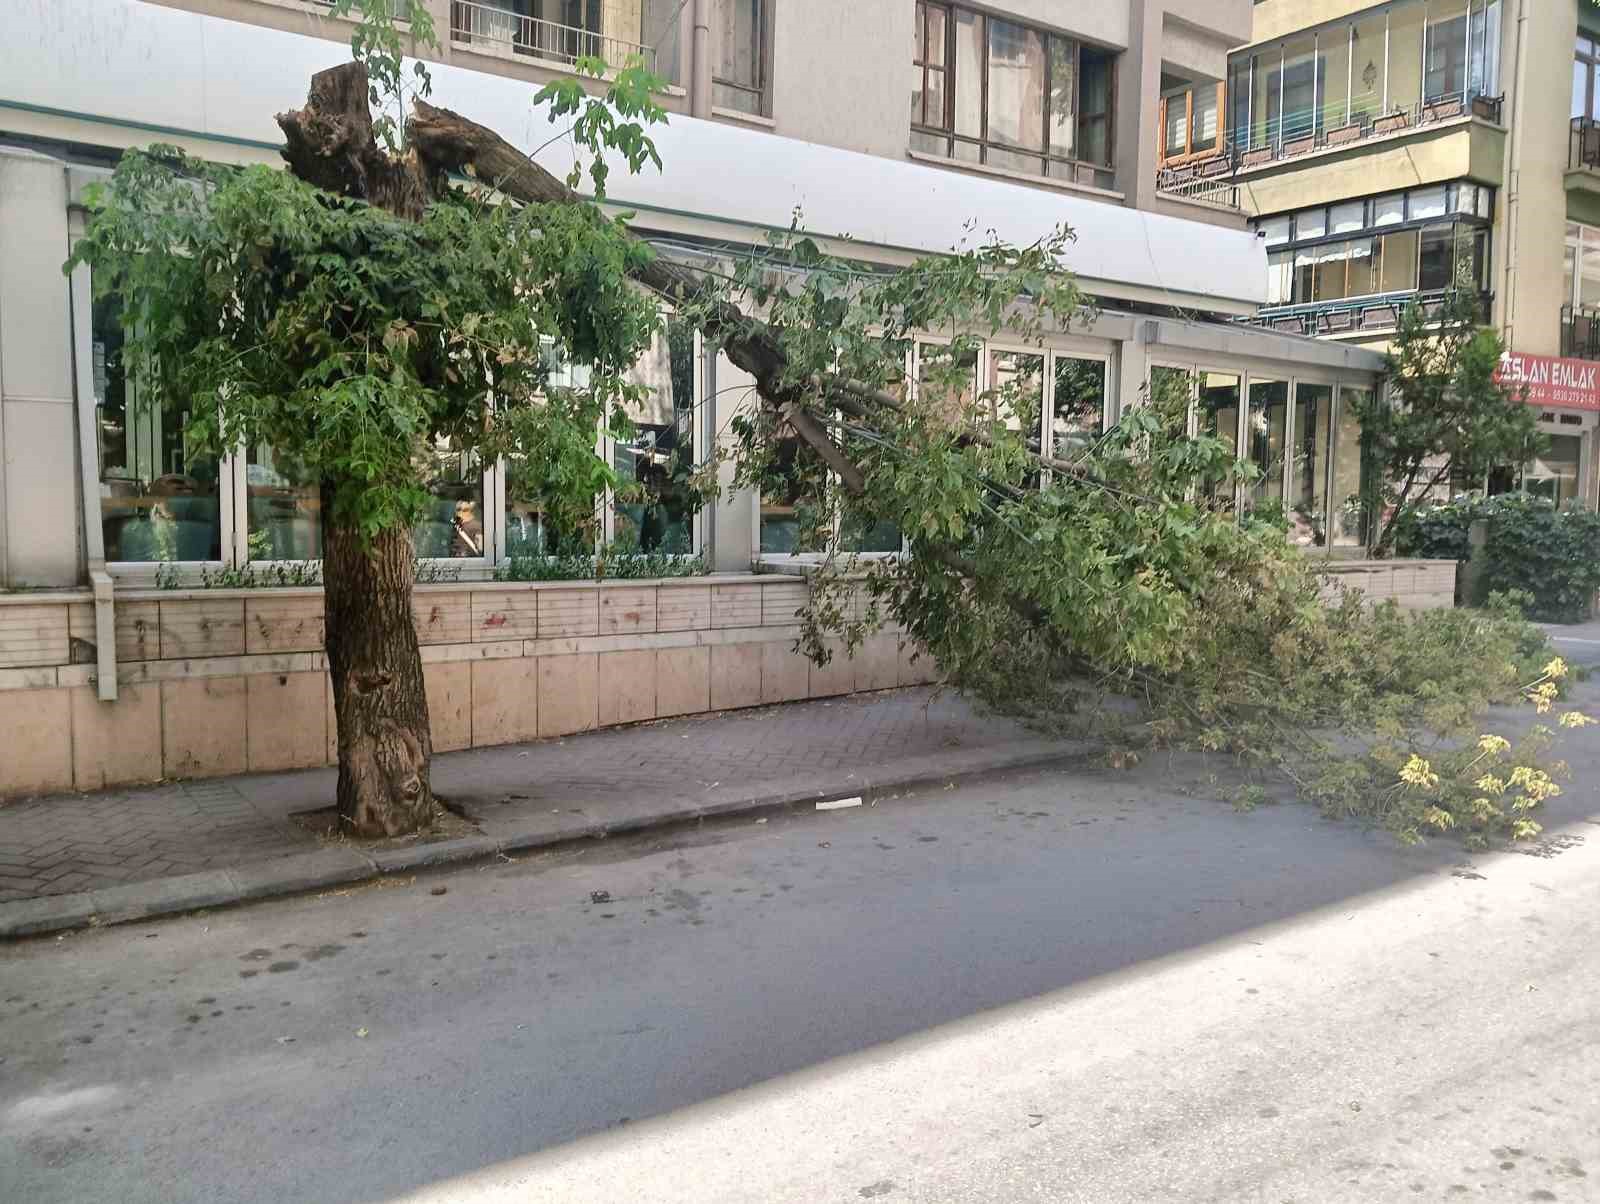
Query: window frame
point(762, 59)
point(1191, 153)
point(1054, 166)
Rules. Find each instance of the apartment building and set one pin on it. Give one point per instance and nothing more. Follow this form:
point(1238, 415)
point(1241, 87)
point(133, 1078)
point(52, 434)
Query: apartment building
point(893, 127)
point(1387, 153)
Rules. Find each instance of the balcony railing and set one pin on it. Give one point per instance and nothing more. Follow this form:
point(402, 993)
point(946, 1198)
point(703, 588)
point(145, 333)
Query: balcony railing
point(495, 31)
point(1580, 332)
point(1357, 315)
point(1583, 144)
point(1309, 130)
point(1208, 181)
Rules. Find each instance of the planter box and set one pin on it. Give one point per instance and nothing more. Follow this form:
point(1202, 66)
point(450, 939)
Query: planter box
point(1390, 122)
point(1299, 146)
point(1345, 134)
point(1262, 154)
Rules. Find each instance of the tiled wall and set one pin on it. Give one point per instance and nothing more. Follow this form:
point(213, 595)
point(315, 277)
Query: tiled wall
point(221, 682)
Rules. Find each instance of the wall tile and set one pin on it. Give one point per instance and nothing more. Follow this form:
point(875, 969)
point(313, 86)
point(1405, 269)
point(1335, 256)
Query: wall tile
point(627, 687)
point(785, 673)
point(33, 635)
point(505, 701)
point(116, 742)
point(441, 617)
point(38, 742)
point(683, 607)
point(286, 721)
point(838, 676)
point(505, 615)
point(568, 693)
point(735, 676)
point(203, 727)
point(568, 612)
point(138, 627)
point(683, 681)
point(449, 688)
point(780, 600)
point(198, 627)
point(736, 605)
point(627, 611)
point(283, 624)
point(877, 662)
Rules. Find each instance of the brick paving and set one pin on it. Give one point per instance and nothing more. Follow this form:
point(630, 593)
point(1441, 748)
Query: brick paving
point(64, 844)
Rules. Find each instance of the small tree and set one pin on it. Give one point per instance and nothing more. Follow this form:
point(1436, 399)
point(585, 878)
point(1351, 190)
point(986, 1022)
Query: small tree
point(1446, 418)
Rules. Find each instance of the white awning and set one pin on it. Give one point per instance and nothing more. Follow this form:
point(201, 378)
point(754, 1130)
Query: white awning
point(165, 73)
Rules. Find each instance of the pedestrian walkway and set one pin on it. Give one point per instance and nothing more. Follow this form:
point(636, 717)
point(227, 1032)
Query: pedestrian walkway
point(513, 796)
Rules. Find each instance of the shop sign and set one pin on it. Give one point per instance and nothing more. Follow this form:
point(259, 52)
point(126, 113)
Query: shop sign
point(1551, 381)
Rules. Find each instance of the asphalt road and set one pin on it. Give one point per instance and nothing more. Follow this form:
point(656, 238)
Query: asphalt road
point(1087, 986)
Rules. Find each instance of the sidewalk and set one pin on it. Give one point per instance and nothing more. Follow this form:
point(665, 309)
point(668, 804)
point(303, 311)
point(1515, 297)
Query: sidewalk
point(71, 860)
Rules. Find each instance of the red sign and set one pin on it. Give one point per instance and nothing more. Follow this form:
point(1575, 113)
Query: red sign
point(1551, 381)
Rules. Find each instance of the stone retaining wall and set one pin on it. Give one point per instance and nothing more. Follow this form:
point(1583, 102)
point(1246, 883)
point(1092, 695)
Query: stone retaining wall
point(232, 681)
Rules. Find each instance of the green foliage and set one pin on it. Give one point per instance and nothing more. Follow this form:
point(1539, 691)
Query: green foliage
point(379, 40)
point(355, 342)
point(617, 561)
point(1549, 556)
point(595, 123)
point(1447, 417)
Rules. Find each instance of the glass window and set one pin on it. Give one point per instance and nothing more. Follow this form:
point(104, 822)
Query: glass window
point(1293, 95)
point(1094, 105)
point(1063, 98)
point(1397, 270)
point(738, 74)
point(1447, 50)
point(1405, 55)
point(1218, 410)
point(1389, 210)
point(453, 525)
point(1363, 268)
point(1274, 229)
point(1308, 482)
point(1264, 429)
point(1436, 268)
point(1280, 277)
point(283, 507)
point(1203, 135)
point(1589, 269)
point(1483, 66)
point(1311, 223)
point(654, 506)
point(1016, 85)
point(1334, 78)
point(789, 513)
point(1352, 215)
point(1554, 475)
point(1016, 386)
point(1264, 100)
point(157, 502)
point(969, 74)
point(1177, 125)
point(1428, 202)
point(1078, 405)
point(1368, 69)
point(928, 69)
point(1346, 525)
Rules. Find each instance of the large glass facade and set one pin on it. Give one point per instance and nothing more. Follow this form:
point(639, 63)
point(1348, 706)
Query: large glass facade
point(1266, 431)
point(1308, 466)
point(157, 501)
point(1078, 405)
point(1347, 473)
point(283, 507)
point(1217, 409)
point(654, 508)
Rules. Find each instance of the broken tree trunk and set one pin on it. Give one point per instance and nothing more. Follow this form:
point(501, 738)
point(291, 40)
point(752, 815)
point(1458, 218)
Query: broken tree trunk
point(380, 704)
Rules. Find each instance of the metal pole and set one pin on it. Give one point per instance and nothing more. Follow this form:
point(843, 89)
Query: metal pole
point(700, 63)
point(1350, 77)
point(1250, 107)
point(1466, 78)
point(1283, 72)
point(1423, 70)
point(1317, 83)
point(1385, 108)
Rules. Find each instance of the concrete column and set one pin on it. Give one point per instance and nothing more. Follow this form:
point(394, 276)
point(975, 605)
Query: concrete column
point(39, 506)
point(1138, 99)
point(699, 66)
point(733, 520)
point(1132, 367)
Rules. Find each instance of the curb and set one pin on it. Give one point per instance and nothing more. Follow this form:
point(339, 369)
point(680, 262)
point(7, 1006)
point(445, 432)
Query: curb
point(319, 869)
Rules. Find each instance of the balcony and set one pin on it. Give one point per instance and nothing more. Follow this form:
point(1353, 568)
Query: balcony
point(1302, 133)
point(1207, 182)
point(1358, 315)
point(1583, 155)
point(490, 30)
point(1580, 332)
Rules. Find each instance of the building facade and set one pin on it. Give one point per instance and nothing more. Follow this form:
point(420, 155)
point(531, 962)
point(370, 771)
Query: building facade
point(121, 659)
point(1387, 153)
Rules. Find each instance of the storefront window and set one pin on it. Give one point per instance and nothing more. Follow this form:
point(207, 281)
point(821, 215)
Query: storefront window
point(1078, 405)
point(157, 502)
point(283, 508)
point(654, 507)
point(453, 525)
point(1347, 522)
point(1308, 482)
point(1554, 475)
point(1265, 430)
point(1218, 409)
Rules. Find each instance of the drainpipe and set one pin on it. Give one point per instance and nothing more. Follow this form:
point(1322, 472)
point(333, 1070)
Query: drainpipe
point(105, 626)
point(1514, 177)
point(700, 62)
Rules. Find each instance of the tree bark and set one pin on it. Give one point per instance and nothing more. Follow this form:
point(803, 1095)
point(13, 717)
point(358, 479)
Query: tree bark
point(379, 700)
